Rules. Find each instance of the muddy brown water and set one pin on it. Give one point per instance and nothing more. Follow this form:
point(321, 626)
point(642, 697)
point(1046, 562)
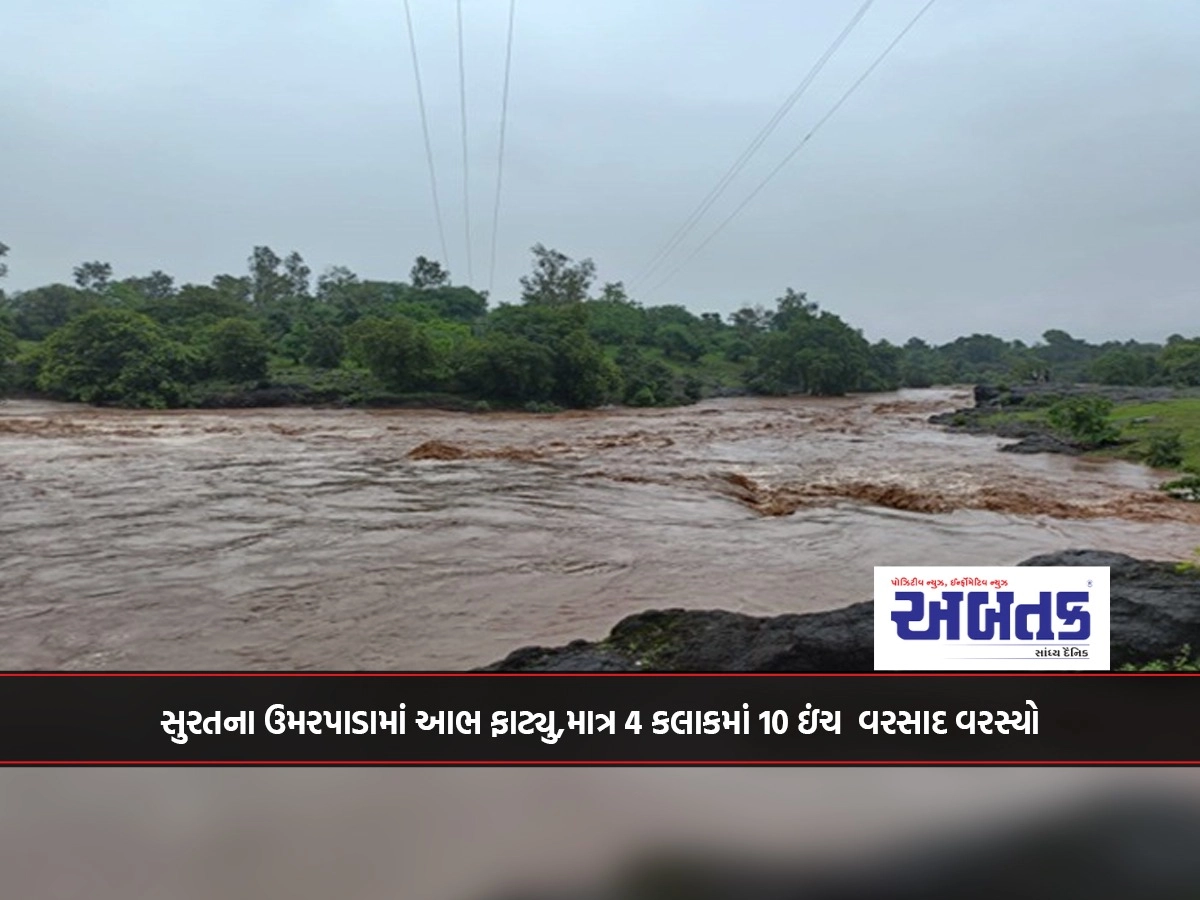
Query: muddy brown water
point(312, 538)
point(300, 538)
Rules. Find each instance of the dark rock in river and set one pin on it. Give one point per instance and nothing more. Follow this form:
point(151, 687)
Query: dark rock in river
point(1039, 442)
point(1155, 612)
point(985, 394)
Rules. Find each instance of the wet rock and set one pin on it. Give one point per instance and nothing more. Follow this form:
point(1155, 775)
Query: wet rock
point(1155, 612)
point(986, 394)
point(1039, 442)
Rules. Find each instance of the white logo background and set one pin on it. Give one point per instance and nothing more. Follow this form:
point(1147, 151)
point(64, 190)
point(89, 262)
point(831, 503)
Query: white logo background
point(1026, 583)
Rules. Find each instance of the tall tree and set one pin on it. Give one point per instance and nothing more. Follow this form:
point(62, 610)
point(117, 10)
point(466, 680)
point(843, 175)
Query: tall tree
point(93, 276)
point(332, 280)
point(3, 253)
point(791, 307)
point(749, 320)
point(556, 280)
point(267, 285)
point(614, 292)
point(297, 274)
point(428, 273)
point(158, 285)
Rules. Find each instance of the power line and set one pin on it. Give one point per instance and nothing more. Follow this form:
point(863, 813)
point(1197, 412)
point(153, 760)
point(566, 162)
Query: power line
point(740, 163)
point(437, 206)
point(795, 150)
point(512, 9)
point(462, 95)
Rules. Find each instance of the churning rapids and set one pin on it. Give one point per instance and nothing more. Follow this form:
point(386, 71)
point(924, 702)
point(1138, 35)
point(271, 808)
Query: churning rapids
point(347, 539)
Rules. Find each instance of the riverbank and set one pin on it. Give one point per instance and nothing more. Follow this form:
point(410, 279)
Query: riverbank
point(1155, 615)
point(1157, 426)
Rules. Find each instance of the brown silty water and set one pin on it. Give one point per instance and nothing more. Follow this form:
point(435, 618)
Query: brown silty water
point(345, 539)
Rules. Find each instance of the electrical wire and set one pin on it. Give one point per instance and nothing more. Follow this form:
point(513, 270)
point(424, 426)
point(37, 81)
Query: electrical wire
point(795, 150)
point(462, 95)
point(740, 163)
point(512, 10)
point(437, 206)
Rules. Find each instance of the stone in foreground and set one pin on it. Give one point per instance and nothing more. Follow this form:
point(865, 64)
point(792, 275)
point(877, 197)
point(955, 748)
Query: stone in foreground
point(1155, 613)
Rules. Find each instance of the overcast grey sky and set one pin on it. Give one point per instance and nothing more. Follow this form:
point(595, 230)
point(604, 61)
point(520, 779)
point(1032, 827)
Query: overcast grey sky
point(1014, 165)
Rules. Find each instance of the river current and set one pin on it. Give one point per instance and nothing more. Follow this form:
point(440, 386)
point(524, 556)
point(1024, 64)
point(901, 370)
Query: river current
point(349, 539)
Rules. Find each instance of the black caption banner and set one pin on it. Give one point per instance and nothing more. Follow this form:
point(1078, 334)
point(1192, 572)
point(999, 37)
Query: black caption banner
point(605, 719)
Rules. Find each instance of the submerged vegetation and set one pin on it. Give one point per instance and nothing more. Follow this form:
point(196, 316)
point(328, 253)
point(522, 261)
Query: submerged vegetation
point(274, 336)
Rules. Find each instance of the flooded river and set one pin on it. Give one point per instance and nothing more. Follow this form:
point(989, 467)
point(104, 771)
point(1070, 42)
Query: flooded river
point(304, 539)
point(313, 539)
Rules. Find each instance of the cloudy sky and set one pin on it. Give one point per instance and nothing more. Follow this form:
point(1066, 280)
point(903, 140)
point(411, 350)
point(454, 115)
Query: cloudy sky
point(1014, 165)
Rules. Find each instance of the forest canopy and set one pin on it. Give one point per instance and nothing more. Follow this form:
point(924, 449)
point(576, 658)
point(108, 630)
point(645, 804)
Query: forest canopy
point(145, 341)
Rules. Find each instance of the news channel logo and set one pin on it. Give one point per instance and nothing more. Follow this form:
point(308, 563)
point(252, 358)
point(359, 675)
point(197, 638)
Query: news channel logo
point(979, 618)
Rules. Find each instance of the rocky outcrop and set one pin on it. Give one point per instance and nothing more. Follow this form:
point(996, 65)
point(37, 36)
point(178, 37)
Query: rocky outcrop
point(1043, 443)
point(1155, 612)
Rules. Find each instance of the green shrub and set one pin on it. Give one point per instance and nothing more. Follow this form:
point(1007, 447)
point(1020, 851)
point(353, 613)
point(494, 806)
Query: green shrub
point(1164, 450)
point(1085, 419)
point(1181, 662)
point(114, 356)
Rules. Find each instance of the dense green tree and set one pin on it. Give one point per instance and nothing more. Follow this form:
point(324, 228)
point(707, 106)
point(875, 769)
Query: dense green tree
point(616, 322)
point(235, 289)
point(1122, 367)
point(556, 280)
point(792, 307)
point(750, 320)
point(679, 342)
point(542, 324)
point(817, 355)
point(614, 292)
point(38, 312)
point(267, 284)
point(4, 248)
point(1180, 362)
point(461, 304)
point(294, 344)
point(398, 351)
point(156, 286)
point(115, 356)
point(194, 306)
point(919, 365)
point(584, 376)
point(237, 350)
point(296, 275)
point(510, 367)
point(883, 367)
point(647, 381)
point(326, 347)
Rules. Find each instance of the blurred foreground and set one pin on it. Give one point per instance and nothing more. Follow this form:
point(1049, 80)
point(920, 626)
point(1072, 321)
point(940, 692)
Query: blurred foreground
point(617, 834)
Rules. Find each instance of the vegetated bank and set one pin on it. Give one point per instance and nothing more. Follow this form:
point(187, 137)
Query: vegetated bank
point(1158, 426)
point(275, 336)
